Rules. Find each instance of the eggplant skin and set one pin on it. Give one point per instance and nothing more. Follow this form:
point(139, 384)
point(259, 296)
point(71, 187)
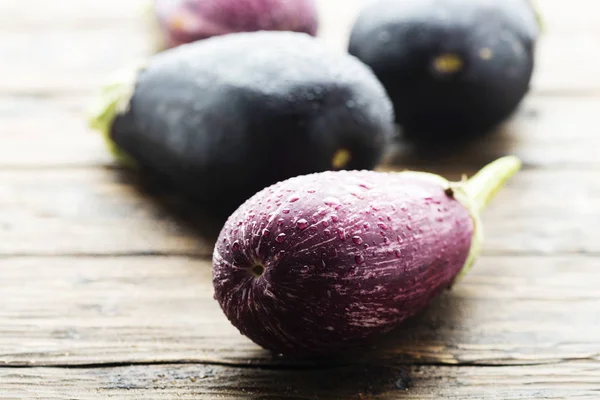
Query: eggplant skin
point(225, 117)
point(323, 262)
point(185, 21)
point(453, 68)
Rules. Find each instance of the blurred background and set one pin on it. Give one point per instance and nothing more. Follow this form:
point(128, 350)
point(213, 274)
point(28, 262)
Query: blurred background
point(38, 40)
point(65, 50)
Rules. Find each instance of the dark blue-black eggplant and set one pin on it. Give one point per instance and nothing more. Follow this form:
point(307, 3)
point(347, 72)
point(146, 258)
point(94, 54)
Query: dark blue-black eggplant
point(225, 117)
point(453, 68)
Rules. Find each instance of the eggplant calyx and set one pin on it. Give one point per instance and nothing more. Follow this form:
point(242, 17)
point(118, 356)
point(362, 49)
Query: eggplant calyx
point(484, 185)
point(113, 100)
point(476, 192)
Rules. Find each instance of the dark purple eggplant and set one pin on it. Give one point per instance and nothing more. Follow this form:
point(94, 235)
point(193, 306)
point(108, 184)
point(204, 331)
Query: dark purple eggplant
point(454, 69)
point(222, 118)
point(325, 261)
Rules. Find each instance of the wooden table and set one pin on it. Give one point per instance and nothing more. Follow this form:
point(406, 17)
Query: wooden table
point(106, 287)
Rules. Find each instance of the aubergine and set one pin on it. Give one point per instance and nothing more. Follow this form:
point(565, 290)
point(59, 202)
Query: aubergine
point(325, 262)
point(454, 69)
point(185, 21)
point(224, 117)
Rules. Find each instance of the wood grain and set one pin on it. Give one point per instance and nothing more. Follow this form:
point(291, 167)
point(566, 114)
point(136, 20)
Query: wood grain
point(81, 311)
point(546, 132)
point(106, 212)
point(573, 380)
point(94, 211)
point(69, 15)
point(79, 64)
point(109, 36)
point(106, 283)
point(43, 132)
point(580, 16)
point(553, 132)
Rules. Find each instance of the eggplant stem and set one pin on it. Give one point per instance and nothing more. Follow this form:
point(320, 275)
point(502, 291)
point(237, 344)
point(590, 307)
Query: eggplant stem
point(475, 193)
point(113, 97)
point(482, 186)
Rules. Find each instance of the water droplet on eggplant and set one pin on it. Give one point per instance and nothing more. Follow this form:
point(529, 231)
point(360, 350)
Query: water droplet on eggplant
point(302, 224)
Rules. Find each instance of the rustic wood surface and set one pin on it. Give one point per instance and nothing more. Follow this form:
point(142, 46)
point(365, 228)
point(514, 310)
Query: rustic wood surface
point(105, 278)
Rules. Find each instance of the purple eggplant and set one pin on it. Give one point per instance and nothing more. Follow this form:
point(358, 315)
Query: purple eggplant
point(183, 21)
point(323, 262)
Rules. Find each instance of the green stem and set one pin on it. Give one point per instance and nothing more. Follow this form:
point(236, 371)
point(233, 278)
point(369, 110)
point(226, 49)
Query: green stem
point(476, 192)
point(482, 187)
point(113, 97)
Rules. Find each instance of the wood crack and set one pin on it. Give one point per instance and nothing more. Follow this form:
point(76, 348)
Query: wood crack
point(292, 367)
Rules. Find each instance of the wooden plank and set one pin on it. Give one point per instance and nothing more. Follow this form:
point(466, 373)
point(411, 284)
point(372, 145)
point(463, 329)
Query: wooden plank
point(106, 212)
point(64, 61)
point(80, 311)
point(98, 212)
point(581, 15)
point(51, 132)
point(80, 63)
point(525, 325)
point(572, 380)
point(565, 64)
point(110, 35)
point(546, 132)
point(39, 132)
point(34, 15)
